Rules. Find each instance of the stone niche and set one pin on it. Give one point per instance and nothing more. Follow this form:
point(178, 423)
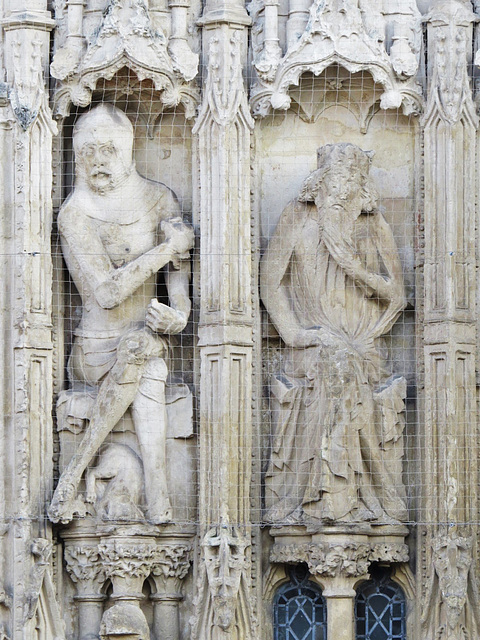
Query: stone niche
point(339, 107)
point(112, 557)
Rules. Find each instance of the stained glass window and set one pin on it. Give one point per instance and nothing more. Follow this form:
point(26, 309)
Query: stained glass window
point(299, 609)
point(380, 608)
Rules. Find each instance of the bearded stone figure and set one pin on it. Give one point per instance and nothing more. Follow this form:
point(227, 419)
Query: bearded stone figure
point(117, 231)
point(331, 281)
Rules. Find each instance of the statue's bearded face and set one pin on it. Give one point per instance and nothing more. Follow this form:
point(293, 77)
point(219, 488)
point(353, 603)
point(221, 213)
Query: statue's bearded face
point(341, 188)
point(105, 165)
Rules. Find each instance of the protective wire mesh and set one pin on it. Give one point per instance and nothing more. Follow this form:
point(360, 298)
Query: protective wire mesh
point(340, 441)
point(314, 399)
point(147, 381)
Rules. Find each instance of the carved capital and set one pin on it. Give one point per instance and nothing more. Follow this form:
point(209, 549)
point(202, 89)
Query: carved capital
point(170, 567)
point(127, 558)
point(172, 561)
point(342, 558)
point(85, 568)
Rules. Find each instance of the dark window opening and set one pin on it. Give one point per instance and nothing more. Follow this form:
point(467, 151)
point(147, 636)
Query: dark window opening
point(299, 610)
point(380, 608)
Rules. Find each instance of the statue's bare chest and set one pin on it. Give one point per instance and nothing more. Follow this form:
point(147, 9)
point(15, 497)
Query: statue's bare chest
point(125, 242)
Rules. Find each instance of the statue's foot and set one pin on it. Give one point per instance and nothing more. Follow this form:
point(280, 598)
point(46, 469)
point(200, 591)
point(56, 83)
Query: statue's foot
point(362, 514)
point(64, 505)
point(160, 516)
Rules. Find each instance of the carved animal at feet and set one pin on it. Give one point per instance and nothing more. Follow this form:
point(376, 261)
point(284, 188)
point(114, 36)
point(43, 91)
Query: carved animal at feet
point(119, 498)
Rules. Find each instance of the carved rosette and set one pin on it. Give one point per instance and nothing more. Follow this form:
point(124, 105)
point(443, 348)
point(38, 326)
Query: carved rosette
point(331, 559)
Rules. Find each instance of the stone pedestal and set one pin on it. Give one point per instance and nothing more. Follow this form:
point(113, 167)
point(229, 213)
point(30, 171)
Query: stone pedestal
point(127, 555)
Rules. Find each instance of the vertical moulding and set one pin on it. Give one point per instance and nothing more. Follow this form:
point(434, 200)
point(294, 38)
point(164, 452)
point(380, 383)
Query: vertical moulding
point(223, 131)
point(449, 336)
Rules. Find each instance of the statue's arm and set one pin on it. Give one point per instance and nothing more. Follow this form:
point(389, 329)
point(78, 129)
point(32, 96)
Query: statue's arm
point(173, 318)
point(178, 282)
point(89, 263)
point(274, 292)
point(375, 285)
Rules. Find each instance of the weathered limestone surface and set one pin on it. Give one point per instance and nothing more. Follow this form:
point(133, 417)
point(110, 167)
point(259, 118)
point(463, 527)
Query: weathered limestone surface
point(329, 463)
point(238, 313)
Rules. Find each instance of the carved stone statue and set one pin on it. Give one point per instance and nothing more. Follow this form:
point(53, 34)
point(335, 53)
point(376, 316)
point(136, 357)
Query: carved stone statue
point(118, 230)
point(331, 281)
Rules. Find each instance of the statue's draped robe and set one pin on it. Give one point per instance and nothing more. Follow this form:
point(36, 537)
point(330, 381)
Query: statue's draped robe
point(337, 445)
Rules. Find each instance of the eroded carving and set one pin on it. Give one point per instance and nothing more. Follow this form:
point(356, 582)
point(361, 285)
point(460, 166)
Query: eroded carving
point(340, 558)
point(452, 559)
point(115, 484)
point(451, 32)
point(224, 550)
point(84, 566)
point(332, 284)
point(172, 561)
point(124, 619)
point(128, 558)
point(118, 229)
point(126, 37)
point(41, 550)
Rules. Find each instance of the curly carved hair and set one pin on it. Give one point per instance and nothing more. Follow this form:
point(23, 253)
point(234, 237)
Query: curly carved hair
point(341, 154)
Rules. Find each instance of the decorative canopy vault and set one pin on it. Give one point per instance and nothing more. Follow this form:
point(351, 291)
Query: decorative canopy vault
point(344, 34)
point(125, 37)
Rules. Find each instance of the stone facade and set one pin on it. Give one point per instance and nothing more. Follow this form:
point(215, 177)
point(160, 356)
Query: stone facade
point(239, 315)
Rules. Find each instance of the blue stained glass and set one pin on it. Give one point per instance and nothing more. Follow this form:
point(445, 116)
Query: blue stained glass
point(299, 610)
point(380, 608)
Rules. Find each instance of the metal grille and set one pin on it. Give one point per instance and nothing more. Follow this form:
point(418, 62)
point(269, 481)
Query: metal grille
point(299, 609)
point(380, 608)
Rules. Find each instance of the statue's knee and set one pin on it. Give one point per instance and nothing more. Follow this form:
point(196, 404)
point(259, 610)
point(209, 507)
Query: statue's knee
point(152, 383)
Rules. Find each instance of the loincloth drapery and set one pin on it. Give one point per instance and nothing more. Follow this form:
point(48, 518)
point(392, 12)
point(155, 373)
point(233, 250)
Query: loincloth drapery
point(94, 354)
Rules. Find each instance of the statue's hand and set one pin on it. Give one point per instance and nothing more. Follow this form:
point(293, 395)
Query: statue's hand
point(179, 236)
point(161, 318)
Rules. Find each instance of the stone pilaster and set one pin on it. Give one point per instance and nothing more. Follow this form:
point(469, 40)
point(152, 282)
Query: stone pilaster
point(27, 359)
point(448, 488)
point(223, 142)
